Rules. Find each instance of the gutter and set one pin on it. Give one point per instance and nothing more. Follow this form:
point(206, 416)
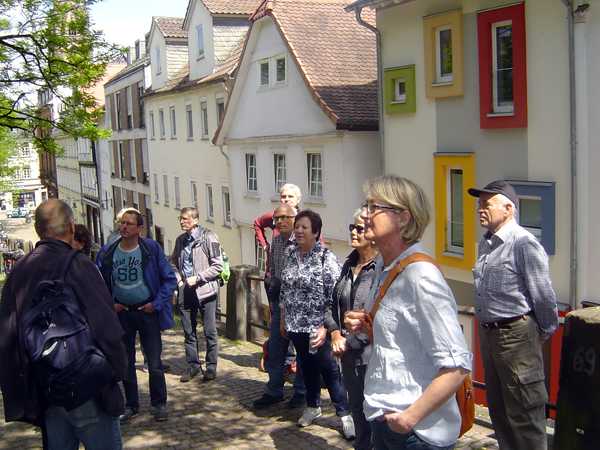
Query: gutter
point(573, 152)
point(357, 12)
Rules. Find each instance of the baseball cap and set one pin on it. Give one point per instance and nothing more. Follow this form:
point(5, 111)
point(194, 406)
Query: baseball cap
point(497, 187)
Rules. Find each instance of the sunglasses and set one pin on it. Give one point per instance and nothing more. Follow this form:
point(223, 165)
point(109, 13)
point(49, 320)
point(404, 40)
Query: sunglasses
point(276, 218)
point(359, 228)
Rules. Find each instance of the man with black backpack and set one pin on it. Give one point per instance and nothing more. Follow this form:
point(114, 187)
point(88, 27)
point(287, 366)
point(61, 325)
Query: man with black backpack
point(198, 261)
point(61, 342)
point(142, 282)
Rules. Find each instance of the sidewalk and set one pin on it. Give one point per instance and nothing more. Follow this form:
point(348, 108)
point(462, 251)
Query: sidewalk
point(219, 414)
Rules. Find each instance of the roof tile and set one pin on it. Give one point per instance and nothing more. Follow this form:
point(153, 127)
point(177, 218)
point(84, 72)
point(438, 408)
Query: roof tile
point(171, 27)
point(242, 7)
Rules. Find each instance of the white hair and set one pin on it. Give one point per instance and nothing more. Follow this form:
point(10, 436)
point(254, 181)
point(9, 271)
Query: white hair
point(292, 187)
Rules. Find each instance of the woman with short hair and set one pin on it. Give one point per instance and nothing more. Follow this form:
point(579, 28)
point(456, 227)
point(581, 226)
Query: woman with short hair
point(419, 356)
point(307, 281)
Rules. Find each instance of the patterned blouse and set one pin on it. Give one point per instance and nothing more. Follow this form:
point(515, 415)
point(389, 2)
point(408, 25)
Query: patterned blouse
point(306, 287)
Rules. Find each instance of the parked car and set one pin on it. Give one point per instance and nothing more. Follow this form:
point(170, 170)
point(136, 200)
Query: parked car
point(20, 213)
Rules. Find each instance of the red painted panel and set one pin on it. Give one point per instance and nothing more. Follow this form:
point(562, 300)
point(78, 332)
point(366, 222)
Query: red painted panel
point(516, 13)
point(478, 373)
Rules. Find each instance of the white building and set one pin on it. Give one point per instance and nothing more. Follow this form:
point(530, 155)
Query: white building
point(192, 62)
point(303, 110)
point(25, 181)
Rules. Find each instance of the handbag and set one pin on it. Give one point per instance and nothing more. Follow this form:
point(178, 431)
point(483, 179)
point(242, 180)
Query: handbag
point(464, 395)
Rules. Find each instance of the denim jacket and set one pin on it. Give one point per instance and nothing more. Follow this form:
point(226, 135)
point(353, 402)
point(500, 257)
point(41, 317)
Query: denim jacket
point(158, 275)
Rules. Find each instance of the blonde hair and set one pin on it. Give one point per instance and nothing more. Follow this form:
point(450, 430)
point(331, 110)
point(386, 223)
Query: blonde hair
point(403, 194)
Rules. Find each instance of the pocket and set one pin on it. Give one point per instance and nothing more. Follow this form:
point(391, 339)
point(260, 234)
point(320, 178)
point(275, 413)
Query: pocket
point(532, 388)
point(85, 414)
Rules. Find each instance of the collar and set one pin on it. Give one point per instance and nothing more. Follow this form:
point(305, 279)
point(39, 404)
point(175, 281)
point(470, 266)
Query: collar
point(416, 247)
point(504, 232)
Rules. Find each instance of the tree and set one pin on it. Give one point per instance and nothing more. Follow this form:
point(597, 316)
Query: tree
point(49, 47)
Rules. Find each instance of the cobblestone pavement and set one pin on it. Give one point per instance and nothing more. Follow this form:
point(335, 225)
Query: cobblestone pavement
point(219, 414)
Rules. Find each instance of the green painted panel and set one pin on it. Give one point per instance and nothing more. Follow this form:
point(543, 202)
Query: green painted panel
point(400, 90)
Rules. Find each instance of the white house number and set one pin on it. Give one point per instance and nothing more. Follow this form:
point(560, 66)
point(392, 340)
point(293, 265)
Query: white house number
point(585, 360)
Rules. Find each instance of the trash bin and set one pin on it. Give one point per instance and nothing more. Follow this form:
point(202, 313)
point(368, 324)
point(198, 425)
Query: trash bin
point(578, 416)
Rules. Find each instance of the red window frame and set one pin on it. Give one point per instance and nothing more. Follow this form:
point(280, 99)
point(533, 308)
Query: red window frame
point(485, 20)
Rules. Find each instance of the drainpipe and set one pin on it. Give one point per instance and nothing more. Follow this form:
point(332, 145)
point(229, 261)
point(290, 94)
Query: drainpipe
point(573, 150)
point(359, 19)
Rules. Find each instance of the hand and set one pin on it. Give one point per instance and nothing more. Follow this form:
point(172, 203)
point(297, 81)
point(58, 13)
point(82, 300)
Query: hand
point(338, 343)
point(118, 308)
point(320, 338)
point(354, 320)
point(400, 422)
point(148, 308)
point(191, 281)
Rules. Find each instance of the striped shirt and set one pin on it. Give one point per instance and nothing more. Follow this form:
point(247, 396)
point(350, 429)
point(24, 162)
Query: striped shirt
point(512, 278)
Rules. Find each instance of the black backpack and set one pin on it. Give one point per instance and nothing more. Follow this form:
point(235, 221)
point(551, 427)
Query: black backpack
point(54, 334)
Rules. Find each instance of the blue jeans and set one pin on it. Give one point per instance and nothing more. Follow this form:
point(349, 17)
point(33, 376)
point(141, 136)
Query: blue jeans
point(386, 439)
point(86, 424)
point(148, 327)
point(317, 365)
point(278, 349)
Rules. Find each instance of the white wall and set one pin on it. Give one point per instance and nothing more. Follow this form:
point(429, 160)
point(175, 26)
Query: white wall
point(200, 67)
point(288, 109)
point(158, 41)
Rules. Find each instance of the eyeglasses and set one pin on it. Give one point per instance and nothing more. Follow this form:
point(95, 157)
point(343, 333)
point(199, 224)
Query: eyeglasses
point(371, 207)
point(277, 218)
point(359, 228)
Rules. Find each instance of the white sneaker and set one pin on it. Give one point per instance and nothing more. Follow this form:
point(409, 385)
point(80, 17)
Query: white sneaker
point(348, 427)
point(309, 415)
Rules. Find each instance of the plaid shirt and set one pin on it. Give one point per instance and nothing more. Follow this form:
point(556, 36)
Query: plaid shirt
point(512, 278)
point(277, 254)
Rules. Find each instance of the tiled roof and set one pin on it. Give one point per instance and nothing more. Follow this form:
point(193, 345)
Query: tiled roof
point(337, 56)
point(245, 7)
point(133, 67)
point(171, 27)
point(226, 38)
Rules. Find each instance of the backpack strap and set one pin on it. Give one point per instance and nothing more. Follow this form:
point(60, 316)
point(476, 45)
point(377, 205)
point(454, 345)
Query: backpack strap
point(396, 270)
point(67, 264)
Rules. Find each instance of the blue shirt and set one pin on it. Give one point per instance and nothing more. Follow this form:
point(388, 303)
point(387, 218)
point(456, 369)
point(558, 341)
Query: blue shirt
point(187, 266)
point(512, 278)
point(129, 286)
point(416, 333)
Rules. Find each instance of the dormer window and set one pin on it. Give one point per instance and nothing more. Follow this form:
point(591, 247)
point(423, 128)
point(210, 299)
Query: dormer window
point(200, 41)
point(280, 69)
point(264, 73)
point(157, 60)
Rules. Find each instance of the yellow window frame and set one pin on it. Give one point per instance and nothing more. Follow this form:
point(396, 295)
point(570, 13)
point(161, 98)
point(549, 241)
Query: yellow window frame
point(443, 162)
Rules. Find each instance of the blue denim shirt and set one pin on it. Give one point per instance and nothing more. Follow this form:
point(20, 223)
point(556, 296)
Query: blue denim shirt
point(415, 333)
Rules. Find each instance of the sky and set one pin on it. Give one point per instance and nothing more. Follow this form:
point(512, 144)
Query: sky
point(124, 21)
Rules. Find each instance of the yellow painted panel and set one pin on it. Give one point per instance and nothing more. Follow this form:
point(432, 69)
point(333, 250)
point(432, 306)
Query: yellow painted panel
point(454, 20)
point(442, 163)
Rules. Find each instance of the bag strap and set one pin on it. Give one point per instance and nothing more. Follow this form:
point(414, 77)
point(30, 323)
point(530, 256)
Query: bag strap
point(397, 270)
point(67, 264)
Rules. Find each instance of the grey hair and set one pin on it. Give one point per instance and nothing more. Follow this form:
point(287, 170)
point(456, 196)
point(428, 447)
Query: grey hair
point(53, 219)
point(357, 214)
point(294, 188)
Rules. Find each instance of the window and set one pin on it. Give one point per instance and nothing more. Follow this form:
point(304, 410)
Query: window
point(260, 256)
point(502, 70)
point(315, 175)
point(280, 69)
point(226, 206)
point(157, 60)
point(200, 41)
point(455, 239)
point(204, 119)
point(537, 211)
point(220, 109)
point(152, 131)
point(443, 60)
point(161, 123)
point(140, 88)
point(189, 121)
point(210, 211)
point(119, 106)
point(194, 192)
point(279, 168)
point(455, 215)
point(251, 181)
point(399, 90)
point(122, 159)
point(166, 189)
point(156, 190)
point(263, 67)
point(128, 95)
point(173, 122)
point(131, 156)
point(177, 193)
point(443, 45)
point(502, 67)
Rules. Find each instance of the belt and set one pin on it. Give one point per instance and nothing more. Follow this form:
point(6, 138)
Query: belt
point(502, 322)
point(132, 308)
